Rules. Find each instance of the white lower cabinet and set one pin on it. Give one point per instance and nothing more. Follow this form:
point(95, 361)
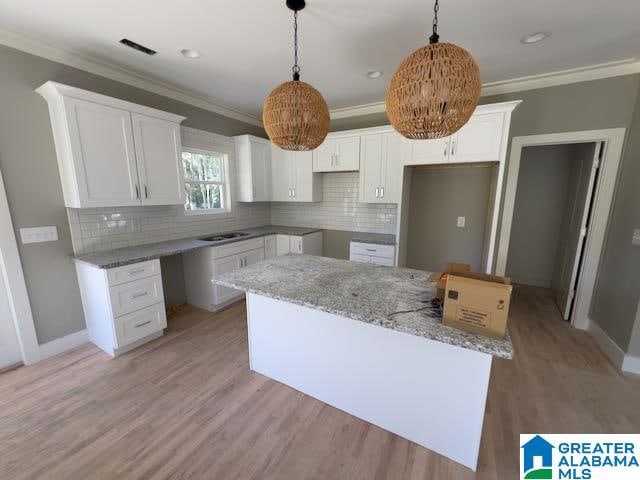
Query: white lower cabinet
point(372, 253)
point(270, 247)
point(200, 266)
point(309, 244)
point(123, 306)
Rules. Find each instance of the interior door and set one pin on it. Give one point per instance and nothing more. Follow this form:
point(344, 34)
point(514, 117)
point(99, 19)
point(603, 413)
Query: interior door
point(103, 154)
point(371, 168)
point(158, 151)
point(576, 233)
point(261, 172)
point(9, 348)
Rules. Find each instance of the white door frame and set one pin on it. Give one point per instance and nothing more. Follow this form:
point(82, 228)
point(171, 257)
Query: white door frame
point(603, 199)
point(11, 270)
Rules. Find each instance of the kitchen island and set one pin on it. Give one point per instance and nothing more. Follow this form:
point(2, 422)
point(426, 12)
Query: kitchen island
point(358, 337)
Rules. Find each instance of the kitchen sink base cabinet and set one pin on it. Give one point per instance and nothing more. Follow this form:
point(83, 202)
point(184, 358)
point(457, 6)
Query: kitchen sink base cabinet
point(426, 391)
point(124, 306)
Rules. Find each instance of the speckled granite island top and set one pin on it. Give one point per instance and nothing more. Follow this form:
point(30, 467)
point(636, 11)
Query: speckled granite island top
point(364, 292)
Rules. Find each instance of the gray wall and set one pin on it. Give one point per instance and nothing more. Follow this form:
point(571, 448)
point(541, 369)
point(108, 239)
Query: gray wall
point(438, 197)
point(28, 164)
point(597, 104)
point(537, 214)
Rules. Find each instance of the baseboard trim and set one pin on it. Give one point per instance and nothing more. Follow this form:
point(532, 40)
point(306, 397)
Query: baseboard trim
point(631, 364)
point(62, 344)
point(608, 346)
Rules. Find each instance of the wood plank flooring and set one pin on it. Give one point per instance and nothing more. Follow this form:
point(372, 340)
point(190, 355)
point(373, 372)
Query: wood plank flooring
point(187, 406)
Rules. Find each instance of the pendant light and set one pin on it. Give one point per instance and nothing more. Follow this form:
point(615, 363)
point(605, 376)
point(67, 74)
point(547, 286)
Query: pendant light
point(434, 91)
point(295, 116)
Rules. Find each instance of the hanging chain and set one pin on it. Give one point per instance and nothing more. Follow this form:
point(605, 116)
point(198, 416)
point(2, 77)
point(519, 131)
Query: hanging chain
point(296, 67)
point(434, 37)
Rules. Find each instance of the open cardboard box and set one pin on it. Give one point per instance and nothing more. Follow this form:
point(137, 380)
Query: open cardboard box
point(474, 302)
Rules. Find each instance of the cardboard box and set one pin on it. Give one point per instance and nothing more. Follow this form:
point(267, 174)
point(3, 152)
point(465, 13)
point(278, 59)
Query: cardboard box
point(441, 278)
point(477, 303)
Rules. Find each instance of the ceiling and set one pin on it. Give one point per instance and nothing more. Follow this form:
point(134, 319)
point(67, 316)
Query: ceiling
point(246, 46)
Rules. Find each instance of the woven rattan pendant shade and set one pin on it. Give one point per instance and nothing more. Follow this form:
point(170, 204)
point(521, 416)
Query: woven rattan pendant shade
point(295, 116)
point(434, 92)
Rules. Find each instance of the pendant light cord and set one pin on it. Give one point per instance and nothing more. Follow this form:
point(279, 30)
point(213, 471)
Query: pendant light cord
point(296, 67)
point(435, 37)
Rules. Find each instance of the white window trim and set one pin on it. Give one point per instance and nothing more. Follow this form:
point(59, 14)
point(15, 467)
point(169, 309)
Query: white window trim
point(200, 141)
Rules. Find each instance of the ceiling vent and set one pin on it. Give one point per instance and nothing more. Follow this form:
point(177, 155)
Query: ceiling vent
point(137, 46)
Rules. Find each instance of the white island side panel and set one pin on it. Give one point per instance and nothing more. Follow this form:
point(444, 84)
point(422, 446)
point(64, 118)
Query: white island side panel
point(426, 391)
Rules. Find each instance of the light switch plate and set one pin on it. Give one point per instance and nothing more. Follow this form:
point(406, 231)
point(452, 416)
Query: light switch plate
point(636, 237)
point(39, 234)
point(461, 221)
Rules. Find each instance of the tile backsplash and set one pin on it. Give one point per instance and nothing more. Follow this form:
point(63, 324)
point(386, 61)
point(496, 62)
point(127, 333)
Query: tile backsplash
point(99, 229)
point(339, 209)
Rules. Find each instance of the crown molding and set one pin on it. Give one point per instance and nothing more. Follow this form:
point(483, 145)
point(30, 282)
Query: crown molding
point(81, 61)
point(532, 82)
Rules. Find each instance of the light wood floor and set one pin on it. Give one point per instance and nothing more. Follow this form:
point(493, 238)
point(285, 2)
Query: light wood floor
point(187, 406)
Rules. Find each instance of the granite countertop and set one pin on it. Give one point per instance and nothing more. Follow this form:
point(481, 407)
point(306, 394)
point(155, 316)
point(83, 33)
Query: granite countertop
point(377, 238)
point(364, 292)
point(151, 251)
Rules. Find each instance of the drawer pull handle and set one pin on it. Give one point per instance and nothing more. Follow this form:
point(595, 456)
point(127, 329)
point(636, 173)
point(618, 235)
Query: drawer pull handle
point(135, 272)
point(138, 295)
point(142, 324)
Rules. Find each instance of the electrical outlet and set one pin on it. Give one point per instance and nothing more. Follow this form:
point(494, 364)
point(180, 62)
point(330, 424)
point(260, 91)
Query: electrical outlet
point(461, 222)
point(39, 234)
point(636, 237)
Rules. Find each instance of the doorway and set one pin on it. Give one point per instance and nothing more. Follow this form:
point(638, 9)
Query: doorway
point(9, 348)
point(613, 140)
point(551, 217)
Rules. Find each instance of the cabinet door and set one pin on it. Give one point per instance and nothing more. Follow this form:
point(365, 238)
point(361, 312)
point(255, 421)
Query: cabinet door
point(260, 171)
point(323, 156)
point(347, 156)
point(295, 244)
point(253, 257)
point(302, 179)
point(370, 168)
point(270, 248)
point(282, 245)
point(103, 154)
point(158, 151)
point(479, 140)
point(281, 162)
point(225, 265)
point(391, 168)
point(425, 152)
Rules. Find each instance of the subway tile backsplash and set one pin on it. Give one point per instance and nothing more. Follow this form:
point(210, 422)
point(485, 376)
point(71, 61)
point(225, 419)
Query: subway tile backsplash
point(339, 209)
point(100, 229)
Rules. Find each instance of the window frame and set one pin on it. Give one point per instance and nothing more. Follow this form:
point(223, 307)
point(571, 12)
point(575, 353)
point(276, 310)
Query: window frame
point(225, 182)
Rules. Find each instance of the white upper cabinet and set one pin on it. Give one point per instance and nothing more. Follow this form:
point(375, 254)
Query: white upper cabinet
point(337, 154)
point(111, 152)
point(479, 140)
point(158, 148)
point(100, 167)
point(380, 168)
point(293, 179)
point(253, 156)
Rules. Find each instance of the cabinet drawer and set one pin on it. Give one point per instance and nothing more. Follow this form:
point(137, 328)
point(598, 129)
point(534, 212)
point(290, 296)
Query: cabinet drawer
point(137, 325)
point(384, 261)
point(128, 273)
point(237, 247)
point(132, 296)
point(354, 257)
point(387, 251)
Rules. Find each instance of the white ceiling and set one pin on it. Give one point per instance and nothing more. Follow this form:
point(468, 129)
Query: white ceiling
point(246, 46)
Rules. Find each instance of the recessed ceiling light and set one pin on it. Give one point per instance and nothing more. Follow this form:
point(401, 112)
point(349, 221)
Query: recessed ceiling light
point(534, 37)
point(373, 74)
point(190, 53)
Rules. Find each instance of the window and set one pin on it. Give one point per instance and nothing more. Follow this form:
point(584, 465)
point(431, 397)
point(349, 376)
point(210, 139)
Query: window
point(206, 181)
